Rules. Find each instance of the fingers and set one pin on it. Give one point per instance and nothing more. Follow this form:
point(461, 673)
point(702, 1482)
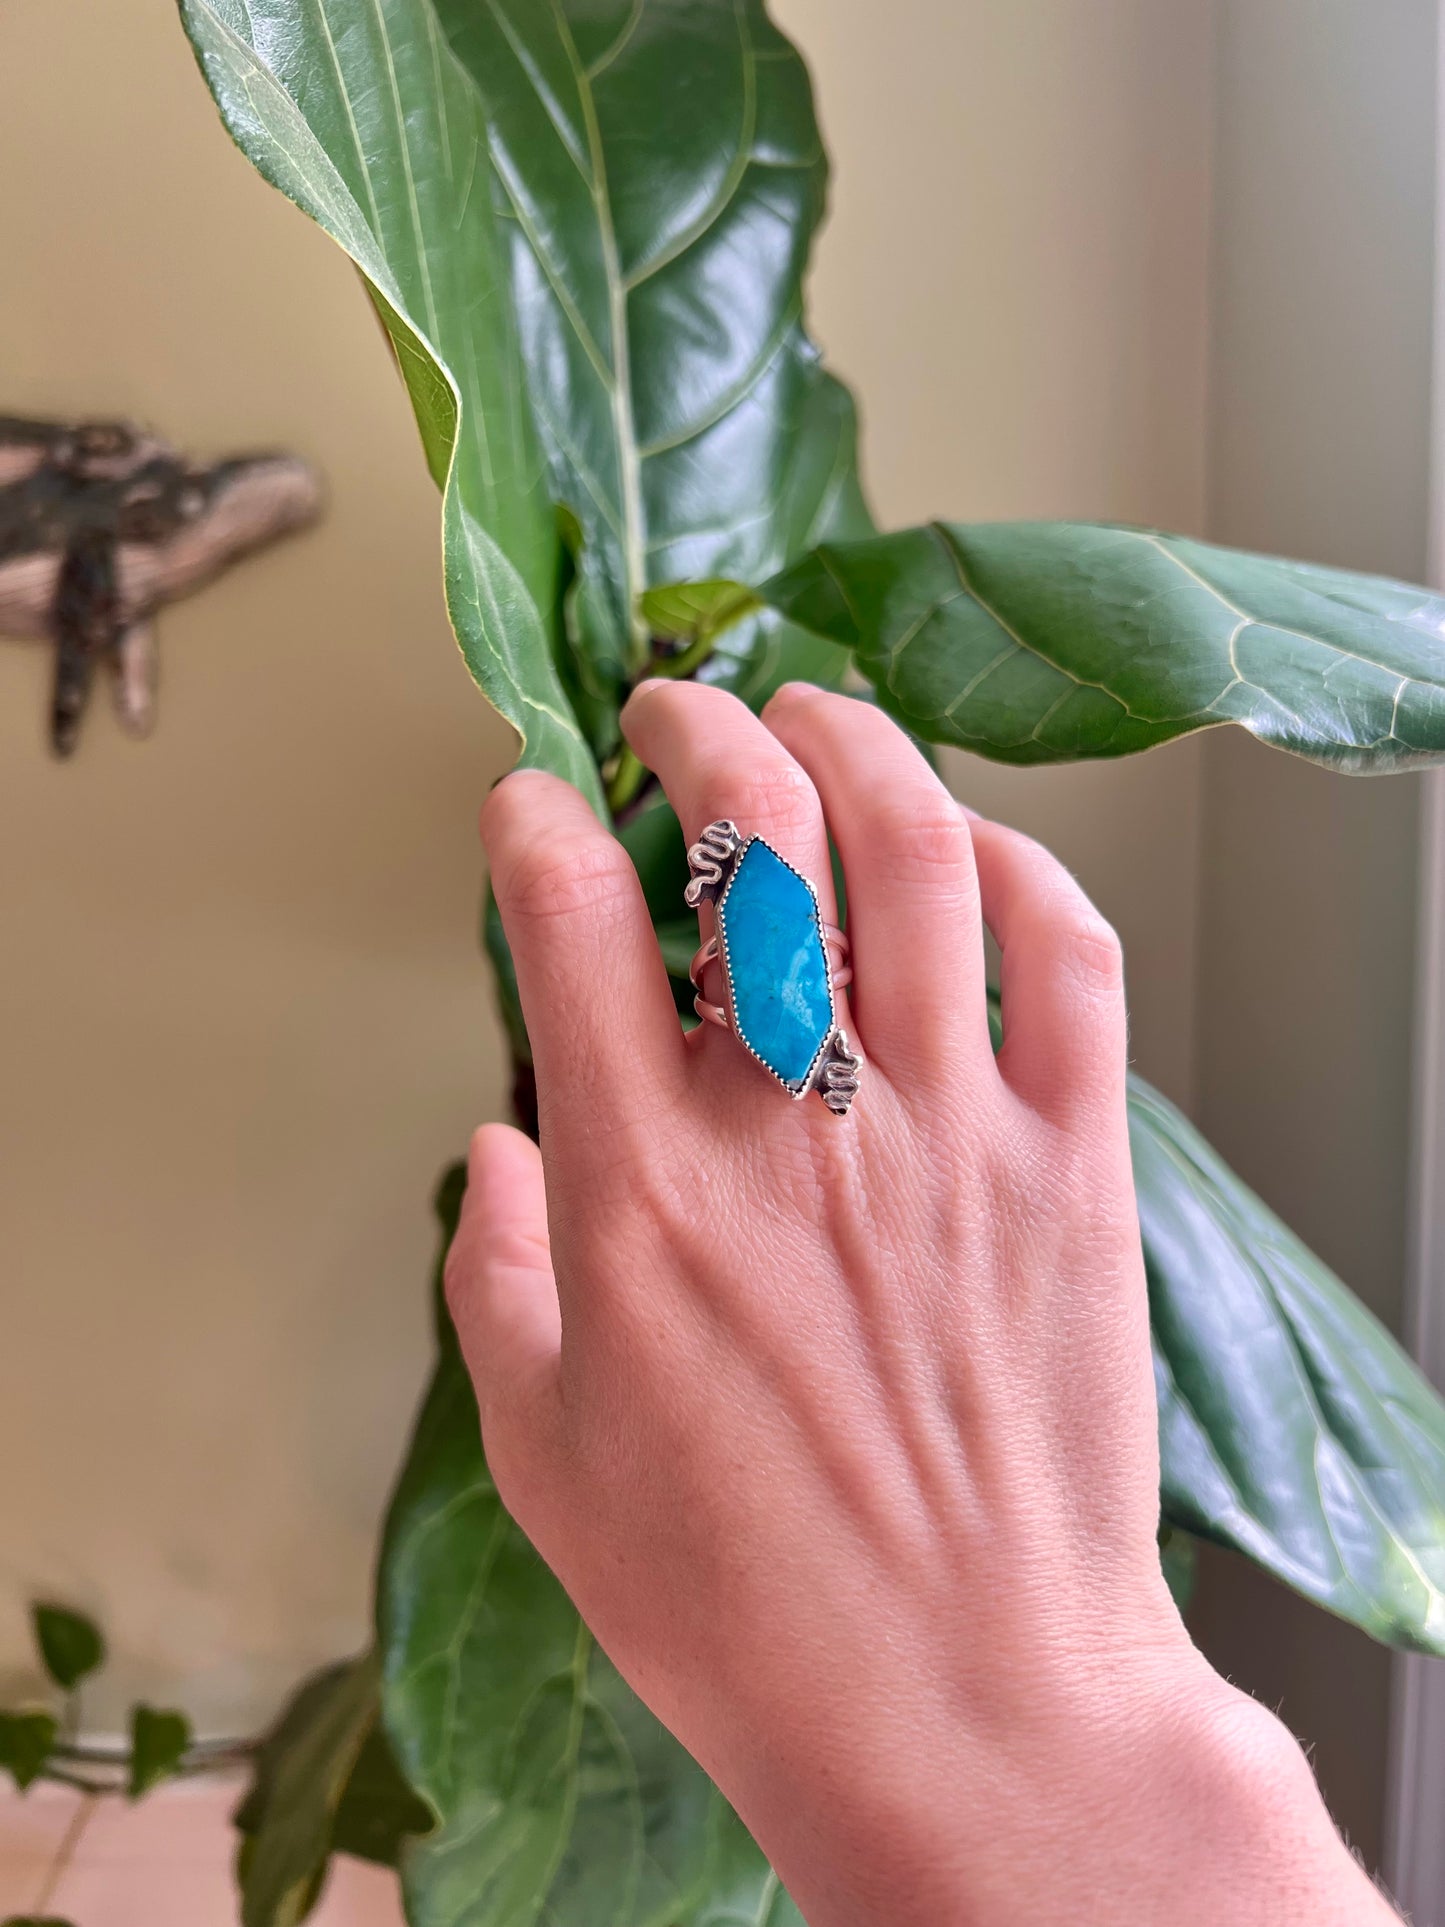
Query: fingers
point(501, 1291)
point(715, 759)
point(923, 877)
point(1065, 1027)
point(913, 903)
point(600, 1015)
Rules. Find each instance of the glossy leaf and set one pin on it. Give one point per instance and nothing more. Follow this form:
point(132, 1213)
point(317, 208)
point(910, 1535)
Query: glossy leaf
point(158, 1742)
point(644, 151)
point(376, 1813)
point(550, 204)
point(1039, 642)
point(70, 1645)
point(26, 1742)
point(1292, 1427)
point(288, 1819)
point(358, 111)
point(697, 611)
point(379, 1814)
point(560, 1799)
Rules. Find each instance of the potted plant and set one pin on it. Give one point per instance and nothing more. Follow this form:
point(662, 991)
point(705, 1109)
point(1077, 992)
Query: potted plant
point(585, 227)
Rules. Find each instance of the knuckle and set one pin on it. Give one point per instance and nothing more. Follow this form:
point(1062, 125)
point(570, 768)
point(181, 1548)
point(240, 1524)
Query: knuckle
point(927, 831)
point(518, 1247)
point(566, 879)
point(778, 796)
point(681, 709)
point(1092, 950)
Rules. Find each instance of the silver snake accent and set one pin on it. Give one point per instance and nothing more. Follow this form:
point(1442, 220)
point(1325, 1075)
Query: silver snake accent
point(838, 1078)
point(708, 858)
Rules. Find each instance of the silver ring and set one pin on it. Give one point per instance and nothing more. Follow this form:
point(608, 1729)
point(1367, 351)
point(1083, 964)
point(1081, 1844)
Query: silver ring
point(779, 984)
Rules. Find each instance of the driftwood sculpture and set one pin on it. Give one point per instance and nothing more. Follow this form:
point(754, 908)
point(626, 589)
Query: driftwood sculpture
point(100, 524)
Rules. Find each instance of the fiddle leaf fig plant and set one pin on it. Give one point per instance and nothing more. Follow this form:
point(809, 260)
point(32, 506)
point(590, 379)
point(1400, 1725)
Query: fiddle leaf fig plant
point(1043, 642)
point(585, 225)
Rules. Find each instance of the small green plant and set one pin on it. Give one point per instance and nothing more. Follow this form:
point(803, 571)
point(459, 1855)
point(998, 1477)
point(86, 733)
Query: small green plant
point(43, 1742)
point(585, 225)
point(324, 1780)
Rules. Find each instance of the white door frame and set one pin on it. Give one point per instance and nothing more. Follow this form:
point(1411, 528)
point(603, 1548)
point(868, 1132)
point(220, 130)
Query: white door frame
point(1415, 1797)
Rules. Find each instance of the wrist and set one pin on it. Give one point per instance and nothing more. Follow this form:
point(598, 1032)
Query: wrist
point(1163, 1797)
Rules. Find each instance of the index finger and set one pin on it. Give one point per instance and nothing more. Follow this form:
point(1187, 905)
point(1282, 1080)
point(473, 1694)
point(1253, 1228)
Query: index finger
point(599, 1011)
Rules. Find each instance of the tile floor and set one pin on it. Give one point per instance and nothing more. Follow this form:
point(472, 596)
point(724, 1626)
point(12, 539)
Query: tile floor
point(165, 1863)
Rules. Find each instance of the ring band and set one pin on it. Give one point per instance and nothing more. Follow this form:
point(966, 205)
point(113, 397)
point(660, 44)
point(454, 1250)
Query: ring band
point(779, 983)
point(842, 973)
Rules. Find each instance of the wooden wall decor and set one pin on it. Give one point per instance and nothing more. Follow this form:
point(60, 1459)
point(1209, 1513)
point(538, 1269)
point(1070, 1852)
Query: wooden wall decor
point(101, 523)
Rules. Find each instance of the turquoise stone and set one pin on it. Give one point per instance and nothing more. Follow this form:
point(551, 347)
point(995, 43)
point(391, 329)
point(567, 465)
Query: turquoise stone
point(777, 964)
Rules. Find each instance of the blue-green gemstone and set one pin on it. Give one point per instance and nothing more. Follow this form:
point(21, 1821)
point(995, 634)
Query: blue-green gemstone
point(777, 964)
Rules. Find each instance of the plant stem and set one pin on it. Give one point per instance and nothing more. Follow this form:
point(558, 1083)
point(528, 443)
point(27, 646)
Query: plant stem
point(200, 1755)
point(630, 775)
point(77, 1782)
point(113, 1762)
point(79, 1820)
point(687, 660)
point(626, 780)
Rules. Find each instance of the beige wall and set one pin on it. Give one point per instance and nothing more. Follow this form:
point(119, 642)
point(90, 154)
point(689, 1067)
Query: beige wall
point(242, 1016)
point(1322, 291)
point(243, 1021)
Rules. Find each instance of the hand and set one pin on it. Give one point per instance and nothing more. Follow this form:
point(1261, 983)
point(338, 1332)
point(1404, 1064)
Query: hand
point(841, 1432)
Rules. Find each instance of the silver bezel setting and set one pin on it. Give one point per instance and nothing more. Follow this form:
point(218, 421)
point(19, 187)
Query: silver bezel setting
point(796, 1092)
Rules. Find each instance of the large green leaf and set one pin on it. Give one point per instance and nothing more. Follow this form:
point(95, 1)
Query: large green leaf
point(585, 224)
point(559, 1798)
point(287, 1818)
point(324, 1782)
point(663, 174)
point(379, 1814)
point(1039, 642)
point(1292, 1427)
point(359, 112)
